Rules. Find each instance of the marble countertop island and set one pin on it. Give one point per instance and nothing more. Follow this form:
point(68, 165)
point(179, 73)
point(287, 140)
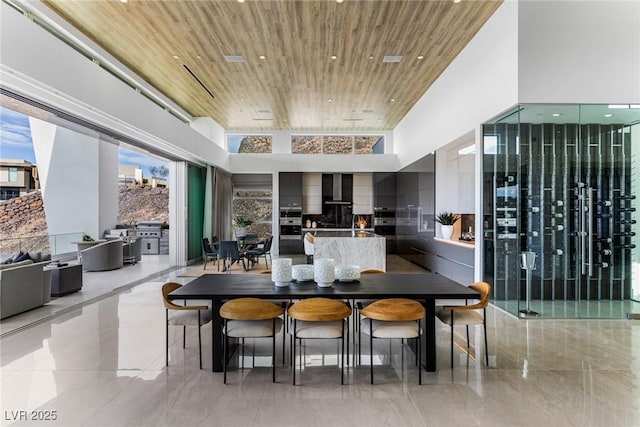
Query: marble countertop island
point(363, 248)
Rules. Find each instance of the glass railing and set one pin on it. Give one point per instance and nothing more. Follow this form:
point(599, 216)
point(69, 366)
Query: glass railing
point(54, 244)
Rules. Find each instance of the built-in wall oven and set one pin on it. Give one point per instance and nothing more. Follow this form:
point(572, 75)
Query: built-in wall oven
point(384, 221)
point(291, 223)
point(384, 224)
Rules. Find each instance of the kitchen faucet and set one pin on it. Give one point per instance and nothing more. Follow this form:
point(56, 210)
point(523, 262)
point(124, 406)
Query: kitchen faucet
point(353, 224)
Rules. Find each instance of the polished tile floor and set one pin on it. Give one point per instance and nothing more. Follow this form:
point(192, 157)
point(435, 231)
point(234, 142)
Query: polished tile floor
point(102, 364)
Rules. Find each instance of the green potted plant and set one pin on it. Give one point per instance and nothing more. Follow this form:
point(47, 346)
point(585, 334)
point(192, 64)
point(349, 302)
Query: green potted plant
point(446, 220)
point(241, 223)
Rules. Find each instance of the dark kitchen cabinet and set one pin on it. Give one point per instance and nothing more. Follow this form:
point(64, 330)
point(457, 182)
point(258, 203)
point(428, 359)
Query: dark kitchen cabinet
point(290, 189)
point(384, 190)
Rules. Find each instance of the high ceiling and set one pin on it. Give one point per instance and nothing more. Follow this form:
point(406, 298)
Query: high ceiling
point(288, 79)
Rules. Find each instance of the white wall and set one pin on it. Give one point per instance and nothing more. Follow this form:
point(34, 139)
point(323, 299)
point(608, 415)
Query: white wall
point(455, 177)
point(579, 52)
point(480, 83)
point(79, 178)
point(108, 193)
point(263, 163)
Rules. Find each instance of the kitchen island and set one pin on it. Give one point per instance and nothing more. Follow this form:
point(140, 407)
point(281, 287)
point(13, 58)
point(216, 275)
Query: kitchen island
point(363, 248)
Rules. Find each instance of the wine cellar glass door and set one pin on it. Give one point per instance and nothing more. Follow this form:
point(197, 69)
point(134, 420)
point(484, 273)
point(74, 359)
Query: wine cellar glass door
point(604, 220)
point(559, 211)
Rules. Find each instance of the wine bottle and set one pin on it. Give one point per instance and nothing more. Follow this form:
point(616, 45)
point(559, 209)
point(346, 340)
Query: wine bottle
point(625, 234)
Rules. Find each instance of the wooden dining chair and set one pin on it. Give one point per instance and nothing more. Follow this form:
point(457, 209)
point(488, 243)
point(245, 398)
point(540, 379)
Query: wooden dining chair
point(372, 271)
point(468, 315)
point(251, 318)
point(183, 315)
point(319, 318)
point(393, 318)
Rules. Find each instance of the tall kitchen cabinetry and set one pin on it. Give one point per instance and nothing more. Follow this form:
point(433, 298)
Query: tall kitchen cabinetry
point(290, 189)
point(384, 190)
point(290, 197)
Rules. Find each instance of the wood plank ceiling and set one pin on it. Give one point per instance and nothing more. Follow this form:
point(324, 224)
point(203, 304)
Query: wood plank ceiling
point(288, 79)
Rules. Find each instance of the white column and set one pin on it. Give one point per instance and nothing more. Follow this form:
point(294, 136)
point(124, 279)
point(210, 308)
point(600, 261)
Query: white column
point(178, 213)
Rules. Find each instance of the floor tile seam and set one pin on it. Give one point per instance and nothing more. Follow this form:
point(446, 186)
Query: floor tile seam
point(114, 395)
point(414, 403)
point(85, 303)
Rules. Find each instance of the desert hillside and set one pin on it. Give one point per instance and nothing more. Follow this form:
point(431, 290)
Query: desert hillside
point(24, 216)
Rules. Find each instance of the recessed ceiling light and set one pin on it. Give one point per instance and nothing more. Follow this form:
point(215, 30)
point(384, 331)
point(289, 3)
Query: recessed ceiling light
point(556, 114)
point(334, 56)
point(262, 57)
point(420, 56)
point(339, 1)
point(234, 58)
point(175, 57)
point(392, 100)
point(457, 1)
point(240, 1)
point(371, 56)
point(392, 58)
point(608, 115)
point(330, 100)
point(198, 57)
point(124, 1)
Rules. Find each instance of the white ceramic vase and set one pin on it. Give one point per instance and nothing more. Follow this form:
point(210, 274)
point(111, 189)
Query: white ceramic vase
point(447, 231)
point(324, 272)
point(281, 271)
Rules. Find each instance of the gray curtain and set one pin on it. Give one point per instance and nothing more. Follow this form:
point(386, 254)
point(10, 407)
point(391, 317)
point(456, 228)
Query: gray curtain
point(222, 205)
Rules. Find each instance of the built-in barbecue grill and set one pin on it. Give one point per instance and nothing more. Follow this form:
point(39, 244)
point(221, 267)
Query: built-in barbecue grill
point(150, 233)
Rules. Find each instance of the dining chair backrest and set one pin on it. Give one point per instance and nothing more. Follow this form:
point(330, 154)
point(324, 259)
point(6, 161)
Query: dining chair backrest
point(167, 288)
point(206, 246)
point(485, 293)
point(319, 310)
point(229, 249)
point(267, 244)
point(484, 289)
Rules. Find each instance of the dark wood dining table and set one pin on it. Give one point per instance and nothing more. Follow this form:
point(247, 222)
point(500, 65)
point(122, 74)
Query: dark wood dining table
point(424, 287)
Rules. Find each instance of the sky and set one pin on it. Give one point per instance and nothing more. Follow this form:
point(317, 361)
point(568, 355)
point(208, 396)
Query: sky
point(15, 136)
point(16, 143)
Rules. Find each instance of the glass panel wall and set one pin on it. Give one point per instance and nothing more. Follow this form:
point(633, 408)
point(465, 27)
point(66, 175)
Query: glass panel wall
point(559, 186)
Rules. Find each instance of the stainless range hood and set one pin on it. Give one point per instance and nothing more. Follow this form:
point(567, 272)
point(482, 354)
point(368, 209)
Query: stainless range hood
point(337, 191)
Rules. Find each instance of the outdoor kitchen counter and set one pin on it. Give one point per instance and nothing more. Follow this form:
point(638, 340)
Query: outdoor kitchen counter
point(366, 249)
